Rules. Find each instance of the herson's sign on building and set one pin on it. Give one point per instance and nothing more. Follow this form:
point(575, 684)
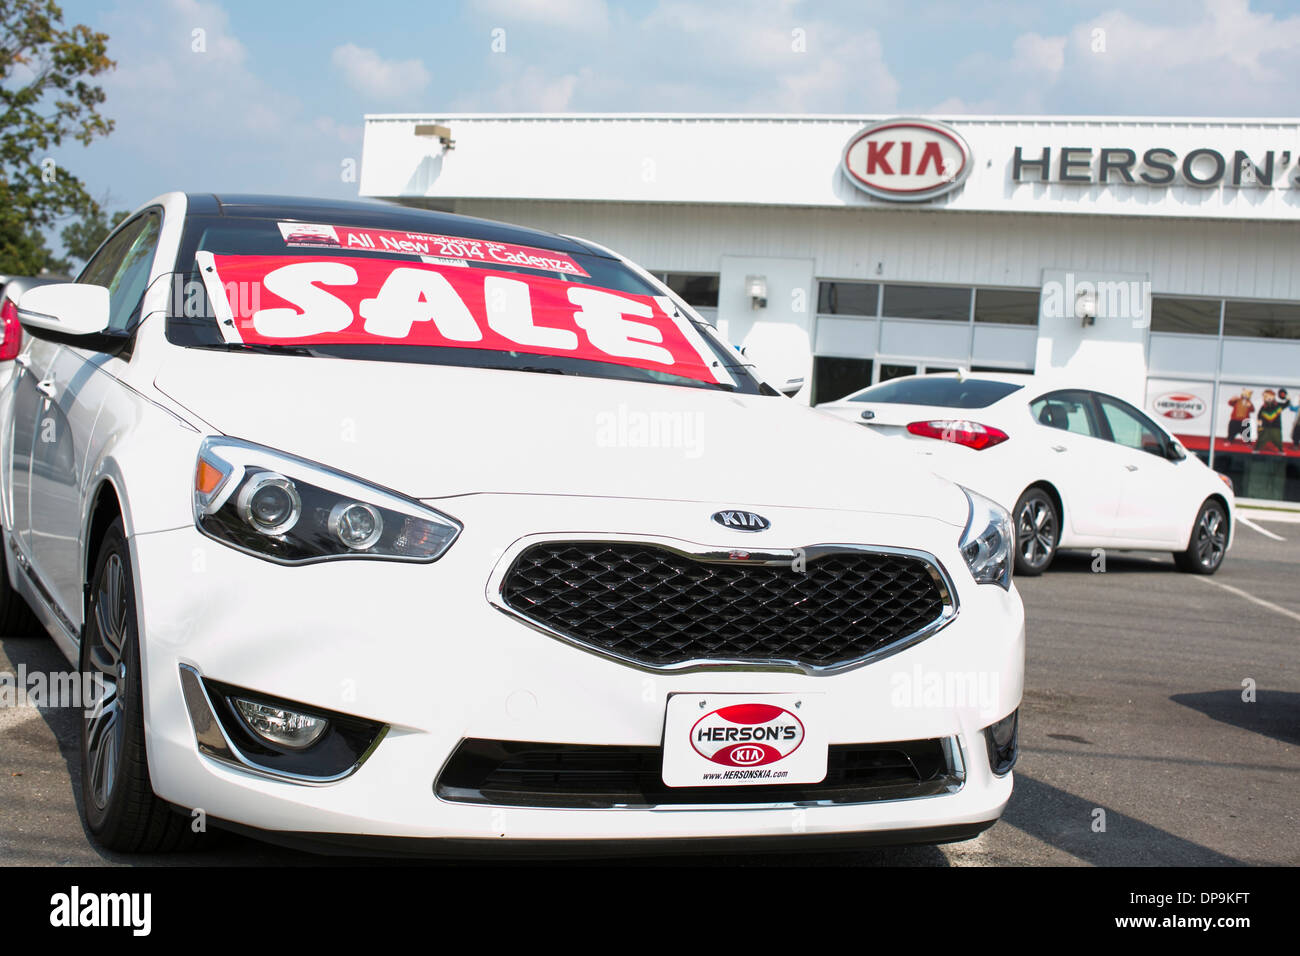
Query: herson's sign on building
point(1154, 166)
point(906, 160)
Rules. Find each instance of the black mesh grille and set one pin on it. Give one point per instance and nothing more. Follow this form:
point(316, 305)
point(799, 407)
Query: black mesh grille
point(661, 608)
point(517, 773)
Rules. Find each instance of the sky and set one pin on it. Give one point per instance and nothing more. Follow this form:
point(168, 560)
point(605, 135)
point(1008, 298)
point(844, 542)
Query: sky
point(244, 96)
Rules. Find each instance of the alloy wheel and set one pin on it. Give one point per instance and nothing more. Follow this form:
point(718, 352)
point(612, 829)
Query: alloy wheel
point(1036, 531)
point(1211, 538)
point(105, 721)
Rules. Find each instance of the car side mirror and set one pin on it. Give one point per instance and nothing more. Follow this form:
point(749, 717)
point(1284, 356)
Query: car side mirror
point(72, 313)
point(1175, 452)
point(791, 387)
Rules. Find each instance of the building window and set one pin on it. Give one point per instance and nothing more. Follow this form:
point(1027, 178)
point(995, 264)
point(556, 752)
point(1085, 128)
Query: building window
point(1007, 306)
point(833, 378)
point(695, 289)
point(847, 298)
point(1265, 320)
point(1197, 316)
point(888, 371)
point(927, 302)
point(1261, 476)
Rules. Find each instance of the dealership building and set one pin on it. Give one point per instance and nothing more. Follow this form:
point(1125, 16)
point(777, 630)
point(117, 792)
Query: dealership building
point(1153, 258)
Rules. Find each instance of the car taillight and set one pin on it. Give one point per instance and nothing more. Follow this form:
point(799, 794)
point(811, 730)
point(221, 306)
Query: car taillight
point(11, 333)
point(970, 434)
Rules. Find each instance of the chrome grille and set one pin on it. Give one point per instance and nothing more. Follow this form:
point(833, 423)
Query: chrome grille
point(662, 608)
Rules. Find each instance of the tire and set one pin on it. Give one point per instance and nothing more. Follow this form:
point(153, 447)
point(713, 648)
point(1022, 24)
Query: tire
point(16, 618)
point(1038, 531)
point(117, 800)
point(1208, 542)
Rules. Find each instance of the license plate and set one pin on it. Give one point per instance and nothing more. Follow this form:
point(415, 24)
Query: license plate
point(737, 740)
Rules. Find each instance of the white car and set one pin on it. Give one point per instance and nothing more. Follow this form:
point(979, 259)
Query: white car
point(11, 330)
point(1076, 467)
point(458, 534)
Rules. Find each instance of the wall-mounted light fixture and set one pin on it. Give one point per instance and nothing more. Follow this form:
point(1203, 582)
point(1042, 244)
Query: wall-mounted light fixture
point(1085, 306)
point(443, 133)
point(756, 289)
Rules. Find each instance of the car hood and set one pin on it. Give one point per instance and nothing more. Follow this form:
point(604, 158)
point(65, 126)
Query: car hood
point(432, 431)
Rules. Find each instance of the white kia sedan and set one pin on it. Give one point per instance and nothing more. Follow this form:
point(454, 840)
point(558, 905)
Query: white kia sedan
point(1077, 468)
point(376, 527)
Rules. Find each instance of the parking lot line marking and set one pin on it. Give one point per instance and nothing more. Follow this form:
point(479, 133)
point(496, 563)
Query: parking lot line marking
point(1285, 612)
point(1265, 532)
point(1286, 517)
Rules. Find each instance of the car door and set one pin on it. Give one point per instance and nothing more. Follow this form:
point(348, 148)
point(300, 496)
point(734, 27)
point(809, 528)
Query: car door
point(1072, 452)
point(1152, 501)
point(73, 391)
point(30, 367)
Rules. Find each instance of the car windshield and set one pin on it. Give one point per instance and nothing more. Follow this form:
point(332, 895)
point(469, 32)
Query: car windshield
point(942, 390)
point(378, 294)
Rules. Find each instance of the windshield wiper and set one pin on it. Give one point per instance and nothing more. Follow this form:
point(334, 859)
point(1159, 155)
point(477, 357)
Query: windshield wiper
point(262, 348)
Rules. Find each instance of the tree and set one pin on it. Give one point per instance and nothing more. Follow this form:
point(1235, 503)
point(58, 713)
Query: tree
point(46, 96)
point(82, 237)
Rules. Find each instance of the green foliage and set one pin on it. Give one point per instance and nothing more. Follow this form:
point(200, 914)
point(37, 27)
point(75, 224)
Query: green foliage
point(84, 235)
point(46, 97)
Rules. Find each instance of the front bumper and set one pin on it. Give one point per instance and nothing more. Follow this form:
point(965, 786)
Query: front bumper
point(421, 649)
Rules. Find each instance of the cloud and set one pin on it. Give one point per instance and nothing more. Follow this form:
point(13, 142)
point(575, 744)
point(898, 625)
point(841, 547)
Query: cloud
point(210, 31)
point(765, 56)
point(532, 90)
point(1039, 54)
point(1227, 60)
point(957, 106)
point(567, 14)
point(192, 113)
point(1219, 59)
point(368, 72)
point(725, 56)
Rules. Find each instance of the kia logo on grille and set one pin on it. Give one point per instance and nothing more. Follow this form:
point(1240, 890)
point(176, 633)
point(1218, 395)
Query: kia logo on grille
point(741, 520)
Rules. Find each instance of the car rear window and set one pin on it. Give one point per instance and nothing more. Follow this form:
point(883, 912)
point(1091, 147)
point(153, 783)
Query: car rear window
point(946, 391)
point(379, 294)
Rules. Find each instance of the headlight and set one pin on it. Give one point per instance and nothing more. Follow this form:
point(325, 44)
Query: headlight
point(988, 540)
point(292, 511)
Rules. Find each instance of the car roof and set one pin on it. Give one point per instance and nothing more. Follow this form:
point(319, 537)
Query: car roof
point(1034, 384)
point(380, 215)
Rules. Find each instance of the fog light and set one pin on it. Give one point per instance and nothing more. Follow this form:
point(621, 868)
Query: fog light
point(1003, 740)
point(270, 503)
point(357, 525)
point(284, 728)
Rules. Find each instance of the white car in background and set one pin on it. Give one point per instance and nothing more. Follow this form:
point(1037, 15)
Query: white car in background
point(11, 330)
point(1076, 467)
point(461, 535)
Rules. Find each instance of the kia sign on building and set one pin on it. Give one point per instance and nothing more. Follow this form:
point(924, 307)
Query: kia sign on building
point(907, 160)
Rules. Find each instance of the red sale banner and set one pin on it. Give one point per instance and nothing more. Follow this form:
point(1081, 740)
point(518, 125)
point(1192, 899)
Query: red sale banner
point(362, 301)
point(320, 236)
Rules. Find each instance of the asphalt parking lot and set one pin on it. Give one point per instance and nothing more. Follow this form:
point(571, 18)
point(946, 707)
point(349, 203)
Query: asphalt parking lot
point(1133, 706)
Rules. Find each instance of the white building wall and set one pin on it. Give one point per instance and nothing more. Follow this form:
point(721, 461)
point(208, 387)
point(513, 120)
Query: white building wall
point(1232, 259)
point(793, 161)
